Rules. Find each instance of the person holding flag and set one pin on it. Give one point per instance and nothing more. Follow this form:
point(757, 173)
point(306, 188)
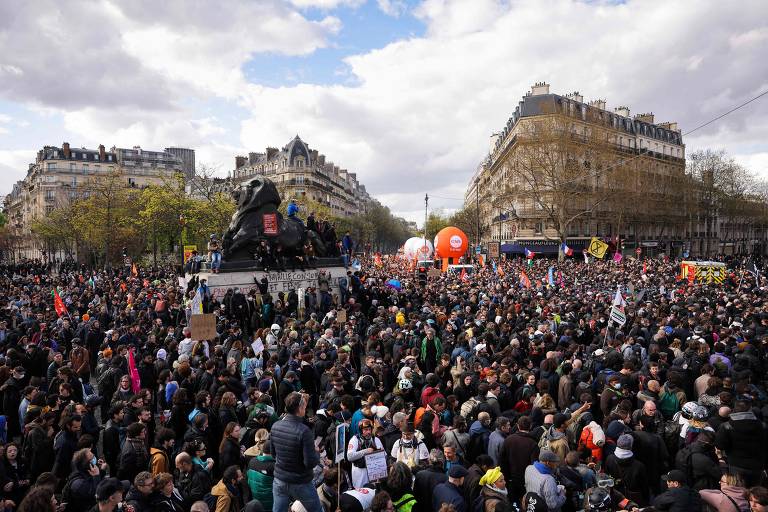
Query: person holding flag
point(525, 282)
point(58, 304)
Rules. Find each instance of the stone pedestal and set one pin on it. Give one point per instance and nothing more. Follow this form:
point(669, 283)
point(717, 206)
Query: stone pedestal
point(279, 281)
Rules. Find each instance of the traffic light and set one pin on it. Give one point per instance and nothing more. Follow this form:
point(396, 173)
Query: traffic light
point(421, 275)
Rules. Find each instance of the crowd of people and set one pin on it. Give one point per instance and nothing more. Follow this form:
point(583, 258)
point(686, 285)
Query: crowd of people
point(503, 389)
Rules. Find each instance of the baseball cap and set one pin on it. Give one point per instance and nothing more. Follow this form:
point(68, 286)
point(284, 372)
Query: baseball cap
point(675, 476)
point(110, 486)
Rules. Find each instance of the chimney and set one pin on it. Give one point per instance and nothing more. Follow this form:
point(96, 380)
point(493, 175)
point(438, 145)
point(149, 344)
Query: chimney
point(240, 161)
point(65, 150)
point(312, 156)
point(252, 158)
point(646, 118)
point(321, 159)
point(598, 104)
point(540, 88)
point(271, 152)
point(102, 153)
point(622, 111)
point(495, 137)
point(670, 126)
point(575, 96)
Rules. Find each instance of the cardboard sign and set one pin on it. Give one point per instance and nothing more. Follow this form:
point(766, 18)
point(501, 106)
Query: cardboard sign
point(203, 327)
point(270, 223)
point(341, 316)
point(376, 465)
point(433, 272)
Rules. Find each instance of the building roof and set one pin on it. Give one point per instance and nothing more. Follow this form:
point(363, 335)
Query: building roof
point(296, 148)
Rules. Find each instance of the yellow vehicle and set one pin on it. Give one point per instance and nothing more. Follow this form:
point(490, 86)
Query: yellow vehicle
point(703, 272)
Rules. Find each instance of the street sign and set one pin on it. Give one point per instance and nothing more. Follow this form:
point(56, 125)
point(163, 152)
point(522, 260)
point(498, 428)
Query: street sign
point(617, 316)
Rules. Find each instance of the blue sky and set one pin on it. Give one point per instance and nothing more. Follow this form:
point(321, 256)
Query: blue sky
point(404, 93)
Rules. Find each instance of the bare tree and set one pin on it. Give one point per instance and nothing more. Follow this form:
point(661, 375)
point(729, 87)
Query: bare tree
point(560, 170)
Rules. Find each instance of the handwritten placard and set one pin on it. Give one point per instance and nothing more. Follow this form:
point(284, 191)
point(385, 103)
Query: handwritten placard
point(376, 465)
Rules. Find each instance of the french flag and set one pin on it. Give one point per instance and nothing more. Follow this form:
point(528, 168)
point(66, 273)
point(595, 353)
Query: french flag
point(566, 250)
point(529, 254)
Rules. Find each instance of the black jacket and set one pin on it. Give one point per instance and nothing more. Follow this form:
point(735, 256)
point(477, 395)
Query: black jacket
point(134, 458)
point(743, 440)
point(631, 478)
point(194, 485)
point(679, 499)
point(699, 463)
point(80, 491)
point(140, 502)
point(294, 450)
point(425, 482)
point(229, 455)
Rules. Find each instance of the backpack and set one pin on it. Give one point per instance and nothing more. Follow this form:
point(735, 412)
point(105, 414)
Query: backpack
point(66, 493)
point(544, 441)
point(668, 404)
point(468, 409)
point(211, 501)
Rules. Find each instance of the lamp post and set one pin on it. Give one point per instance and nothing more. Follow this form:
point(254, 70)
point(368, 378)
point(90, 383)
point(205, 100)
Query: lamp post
point(182, 221)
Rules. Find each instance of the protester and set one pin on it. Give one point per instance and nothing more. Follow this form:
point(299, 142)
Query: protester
point(474, 376)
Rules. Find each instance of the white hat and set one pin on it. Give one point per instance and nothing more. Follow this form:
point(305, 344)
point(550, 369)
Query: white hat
point(599, 352)
point(479, 347)
point(380, 410)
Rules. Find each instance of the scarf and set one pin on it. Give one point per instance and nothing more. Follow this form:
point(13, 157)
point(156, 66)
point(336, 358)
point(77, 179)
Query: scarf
point(542, 468)
point(621, 453)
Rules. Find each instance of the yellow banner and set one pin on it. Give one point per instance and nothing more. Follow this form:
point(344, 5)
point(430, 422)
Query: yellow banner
point(597, 247)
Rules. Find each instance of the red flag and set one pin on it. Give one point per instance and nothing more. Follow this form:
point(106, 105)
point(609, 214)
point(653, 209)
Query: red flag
point(58, 304)
point(644, 268)
point(524, 281)
point(135, 381)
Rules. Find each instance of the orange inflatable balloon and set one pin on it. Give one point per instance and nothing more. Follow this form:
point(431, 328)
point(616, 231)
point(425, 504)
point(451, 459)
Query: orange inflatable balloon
point(451, 242)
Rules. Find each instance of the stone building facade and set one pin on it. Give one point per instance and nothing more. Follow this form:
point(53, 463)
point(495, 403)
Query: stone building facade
point(60, 175)
point(300, 172)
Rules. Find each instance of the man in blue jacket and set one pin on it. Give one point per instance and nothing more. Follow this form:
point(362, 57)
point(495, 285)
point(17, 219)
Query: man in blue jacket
point(295, 457)
point(450, 492)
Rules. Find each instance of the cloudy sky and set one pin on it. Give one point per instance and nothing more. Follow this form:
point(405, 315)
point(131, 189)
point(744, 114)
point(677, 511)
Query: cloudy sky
point(403, 92)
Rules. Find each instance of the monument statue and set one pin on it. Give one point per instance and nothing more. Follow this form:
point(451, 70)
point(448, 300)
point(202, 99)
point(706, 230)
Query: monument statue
point(258, 220)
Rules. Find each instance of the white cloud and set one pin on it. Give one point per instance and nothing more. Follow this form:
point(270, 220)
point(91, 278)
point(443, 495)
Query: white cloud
point(420, 112)
point(13, 166)
point(326, 4)
point(5, 118)
point(394, 8)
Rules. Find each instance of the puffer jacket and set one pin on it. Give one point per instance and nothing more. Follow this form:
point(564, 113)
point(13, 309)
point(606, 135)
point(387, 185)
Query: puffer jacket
point(261, 474)
point(294, 449)
point(593, 438)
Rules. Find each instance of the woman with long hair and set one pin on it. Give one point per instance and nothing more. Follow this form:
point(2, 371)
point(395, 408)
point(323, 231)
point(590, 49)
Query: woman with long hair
point(229, 449)
point(39, 499)
point(227, 408)
point(731, 495)
point(16, 474)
